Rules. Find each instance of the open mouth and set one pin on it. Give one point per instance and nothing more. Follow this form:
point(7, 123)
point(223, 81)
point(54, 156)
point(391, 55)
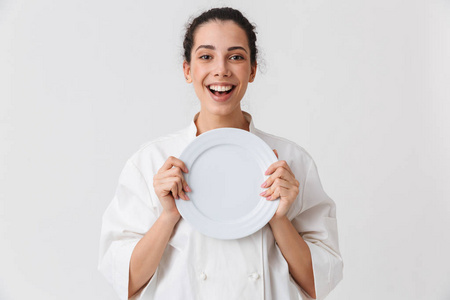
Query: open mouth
point(221, 90)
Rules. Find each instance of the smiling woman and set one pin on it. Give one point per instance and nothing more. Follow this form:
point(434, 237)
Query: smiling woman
point(148, 251)
point(220, 69)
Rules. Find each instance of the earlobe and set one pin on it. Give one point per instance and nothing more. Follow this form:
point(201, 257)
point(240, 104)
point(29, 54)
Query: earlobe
point(252, 74)
point(187, 72)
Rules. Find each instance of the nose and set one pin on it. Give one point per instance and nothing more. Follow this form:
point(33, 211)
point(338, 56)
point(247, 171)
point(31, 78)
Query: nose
point(222, 69)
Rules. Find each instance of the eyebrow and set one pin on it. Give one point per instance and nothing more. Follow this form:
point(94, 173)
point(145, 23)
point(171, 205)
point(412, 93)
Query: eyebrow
point(211, 47)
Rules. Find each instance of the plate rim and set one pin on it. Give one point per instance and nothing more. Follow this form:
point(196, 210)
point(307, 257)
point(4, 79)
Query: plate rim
point(234, 229)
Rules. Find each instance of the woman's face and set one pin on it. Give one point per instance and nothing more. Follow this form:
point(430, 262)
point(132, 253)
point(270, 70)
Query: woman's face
point(220, 67)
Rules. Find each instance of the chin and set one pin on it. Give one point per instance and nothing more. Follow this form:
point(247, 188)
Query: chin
point(222, 110)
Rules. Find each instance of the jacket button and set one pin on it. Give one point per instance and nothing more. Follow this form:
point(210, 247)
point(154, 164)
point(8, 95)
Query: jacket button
point(254, 276)
point(202, 276)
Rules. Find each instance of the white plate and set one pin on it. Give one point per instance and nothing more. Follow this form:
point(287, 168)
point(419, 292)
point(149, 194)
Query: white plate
point(226, 170)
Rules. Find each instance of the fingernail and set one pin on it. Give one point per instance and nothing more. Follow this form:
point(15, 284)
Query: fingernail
point(187, 188)
point(269, 198)
point(187, 197)
point(186, 170)
point(267, 172)
point(263, 193)
point(264, 184)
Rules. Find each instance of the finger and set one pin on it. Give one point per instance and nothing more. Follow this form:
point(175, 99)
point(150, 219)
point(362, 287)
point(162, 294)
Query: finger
point(174, 173)
point(184, 189)
point(174, 190)
point(279, 173)
point(276, 193)
point(270, 190)
point(184, 196)
point(171, 184)
point(283, 192)
point(166, 187)
point(176, 187)
point(276, 152)
point(277, 183)
point(182, 185)
point(281, 163)
point(173, 162)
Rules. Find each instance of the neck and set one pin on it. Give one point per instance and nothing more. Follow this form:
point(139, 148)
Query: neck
point(207, 121)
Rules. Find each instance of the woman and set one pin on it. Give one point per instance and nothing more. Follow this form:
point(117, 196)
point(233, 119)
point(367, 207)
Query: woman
point(149, 252)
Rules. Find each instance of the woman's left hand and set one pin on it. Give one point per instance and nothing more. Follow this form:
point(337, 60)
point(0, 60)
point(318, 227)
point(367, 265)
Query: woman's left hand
point(280, 184)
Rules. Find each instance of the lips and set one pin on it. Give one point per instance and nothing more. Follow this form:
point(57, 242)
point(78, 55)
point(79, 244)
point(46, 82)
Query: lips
point(221, 88)
point(221, 93)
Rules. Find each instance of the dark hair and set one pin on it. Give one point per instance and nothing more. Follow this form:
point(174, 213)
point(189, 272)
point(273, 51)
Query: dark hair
point(223, 14)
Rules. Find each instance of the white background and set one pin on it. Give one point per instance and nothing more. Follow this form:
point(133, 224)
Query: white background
point(363, 86)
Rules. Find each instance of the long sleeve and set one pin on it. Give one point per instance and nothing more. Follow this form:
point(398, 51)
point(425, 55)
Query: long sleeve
point(317, 224)
point(125, 221)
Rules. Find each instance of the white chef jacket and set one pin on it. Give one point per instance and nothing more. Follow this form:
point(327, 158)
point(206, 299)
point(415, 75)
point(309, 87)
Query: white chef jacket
point(198, 267)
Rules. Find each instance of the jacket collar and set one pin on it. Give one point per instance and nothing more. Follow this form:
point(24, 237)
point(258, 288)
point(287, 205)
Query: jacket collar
point(192, 130)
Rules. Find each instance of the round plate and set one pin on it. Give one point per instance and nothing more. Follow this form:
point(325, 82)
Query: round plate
point(226, 170)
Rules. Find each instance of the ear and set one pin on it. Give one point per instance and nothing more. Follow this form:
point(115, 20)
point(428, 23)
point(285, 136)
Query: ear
point(187, 72)
point(252, 72)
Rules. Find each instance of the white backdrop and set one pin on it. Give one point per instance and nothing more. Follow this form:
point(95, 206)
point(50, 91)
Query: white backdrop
point(363, 86)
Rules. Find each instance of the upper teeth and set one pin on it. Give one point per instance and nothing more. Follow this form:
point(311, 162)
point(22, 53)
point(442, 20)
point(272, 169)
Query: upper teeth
point(221, 88)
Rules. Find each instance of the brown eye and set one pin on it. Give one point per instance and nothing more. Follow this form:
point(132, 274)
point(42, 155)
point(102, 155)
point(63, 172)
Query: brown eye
point(236, 57)
point(205, 57)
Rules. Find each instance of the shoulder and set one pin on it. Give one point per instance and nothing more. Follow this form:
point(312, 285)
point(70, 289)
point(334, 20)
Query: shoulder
point(152, 154)
point(164, 142)
point(287, 149)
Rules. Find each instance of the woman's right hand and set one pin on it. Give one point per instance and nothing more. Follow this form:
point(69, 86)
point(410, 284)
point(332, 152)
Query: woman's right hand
point(169, 184)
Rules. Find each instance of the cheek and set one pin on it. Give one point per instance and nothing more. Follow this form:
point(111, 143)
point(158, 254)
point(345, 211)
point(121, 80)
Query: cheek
point(199, 75)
